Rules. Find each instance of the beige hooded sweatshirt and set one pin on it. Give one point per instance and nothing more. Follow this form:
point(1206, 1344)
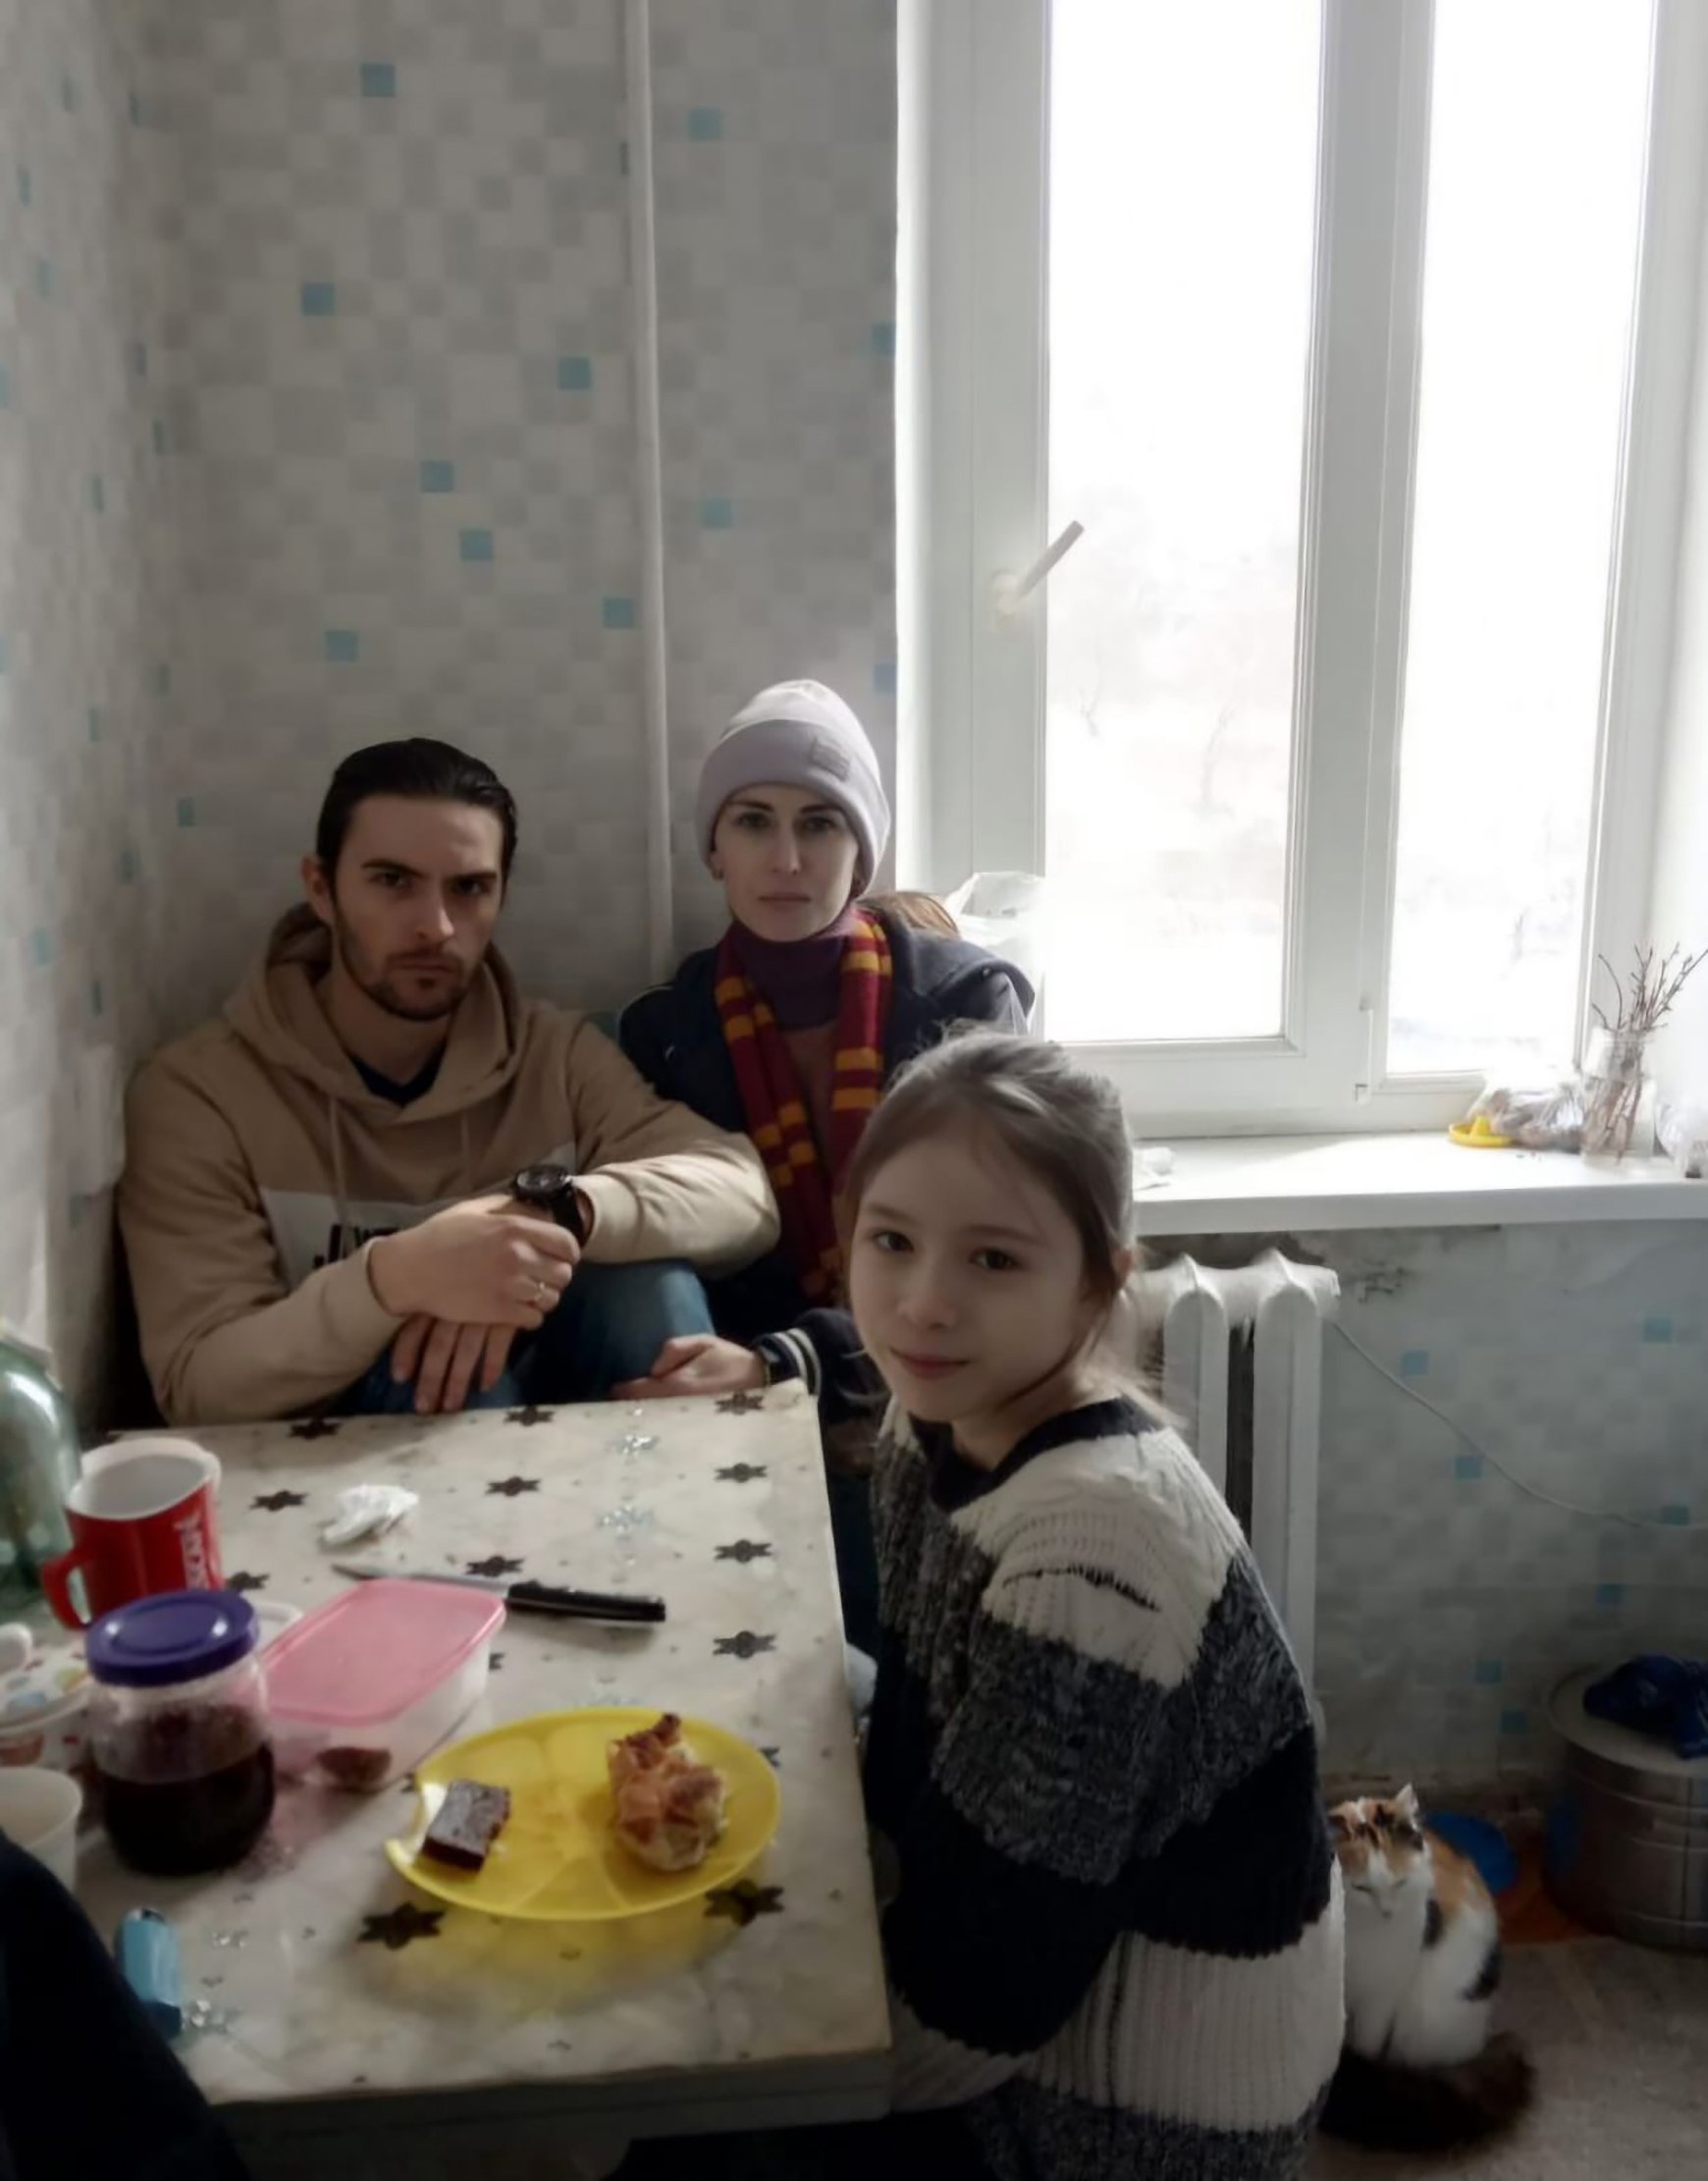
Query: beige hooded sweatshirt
point(261, 1169)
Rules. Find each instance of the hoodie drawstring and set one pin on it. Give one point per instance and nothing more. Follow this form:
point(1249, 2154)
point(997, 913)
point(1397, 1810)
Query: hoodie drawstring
point(338, 1195)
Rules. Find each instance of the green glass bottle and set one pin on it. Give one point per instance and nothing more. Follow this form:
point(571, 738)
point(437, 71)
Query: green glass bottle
point(39, 1466)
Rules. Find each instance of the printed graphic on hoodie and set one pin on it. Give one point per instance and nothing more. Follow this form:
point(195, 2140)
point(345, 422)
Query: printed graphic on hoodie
point(311, 1228)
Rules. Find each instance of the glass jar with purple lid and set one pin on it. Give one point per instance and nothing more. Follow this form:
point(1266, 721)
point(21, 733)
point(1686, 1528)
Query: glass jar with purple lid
point(177, 1730)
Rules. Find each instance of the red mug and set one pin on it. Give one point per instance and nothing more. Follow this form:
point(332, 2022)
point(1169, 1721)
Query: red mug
point(142, 1520)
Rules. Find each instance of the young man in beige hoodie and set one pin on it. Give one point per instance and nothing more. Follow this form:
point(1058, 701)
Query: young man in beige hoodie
point(382, 1180)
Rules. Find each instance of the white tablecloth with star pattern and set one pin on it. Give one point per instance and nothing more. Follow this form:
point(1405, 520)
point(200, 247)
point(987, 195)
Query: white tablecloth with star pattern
point(344, 2017)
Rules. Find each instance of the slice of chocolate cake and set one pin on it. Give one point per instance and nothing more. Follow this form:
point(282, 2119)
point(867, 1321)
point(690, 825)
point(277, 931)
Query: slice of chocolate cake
point(470, 1820)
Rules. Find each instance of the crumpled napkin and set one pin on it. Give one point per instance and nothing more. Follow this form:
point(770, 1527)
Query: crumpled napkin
point(367, 1510)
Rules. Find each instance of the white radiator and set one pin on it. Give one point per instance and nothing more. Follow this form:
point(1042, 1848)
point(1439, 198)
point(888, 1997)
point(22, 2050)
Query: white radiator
point(1241, 1369)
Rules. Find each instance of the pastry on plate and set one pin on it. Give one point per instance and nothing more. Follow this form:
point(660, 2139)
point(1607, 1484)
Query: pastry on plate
point(670, 1808)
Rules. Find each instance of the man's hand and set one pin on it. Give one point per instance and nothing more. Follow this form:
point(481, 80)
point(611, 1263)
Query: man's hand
point(446, 1360)
point(696, 1363)
point(483, 1263)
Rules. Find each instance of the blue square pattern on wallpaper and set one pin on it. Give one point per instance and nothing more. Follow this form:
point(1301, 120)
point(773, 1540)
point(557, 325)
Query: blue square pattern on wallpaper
point(1539, 1514)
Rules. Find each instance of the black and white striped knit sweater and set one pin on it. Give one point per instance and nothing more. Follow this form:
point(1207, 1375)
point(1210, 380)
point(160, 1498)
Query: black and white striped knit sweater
point(1116, 1933)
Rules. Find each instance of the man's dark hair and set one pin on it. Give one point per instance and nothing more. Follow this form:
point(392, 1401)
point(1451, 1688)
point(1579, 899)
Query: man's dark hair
point(432, 771)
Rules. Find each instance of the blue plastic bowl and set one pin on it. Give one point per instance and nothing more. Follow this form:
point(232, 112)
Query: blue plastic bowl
point(1481, 1843)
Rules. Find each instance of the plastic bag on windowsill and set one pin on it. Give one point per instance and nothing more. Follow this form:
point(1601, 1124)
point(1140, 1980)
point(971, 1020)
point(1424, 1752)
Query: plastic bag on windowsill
point(1004, 912)
point(1681, 1131)
point(1536, 1114)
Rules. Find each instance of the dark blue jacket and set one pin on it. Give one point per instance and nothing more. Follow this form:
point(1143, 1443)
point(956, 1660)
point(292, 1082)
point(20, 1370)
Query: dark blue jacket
point(675, 1039)
point(68, 2017)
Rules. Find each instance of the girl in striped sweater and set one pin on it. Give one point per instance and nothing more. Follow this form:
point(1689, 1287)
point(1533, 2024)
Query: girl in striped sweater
point(1114, 1931)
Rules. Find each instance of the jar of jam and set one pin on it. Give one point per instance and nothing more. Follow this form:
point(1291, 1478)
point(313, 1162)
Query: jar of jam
point(177, 1730)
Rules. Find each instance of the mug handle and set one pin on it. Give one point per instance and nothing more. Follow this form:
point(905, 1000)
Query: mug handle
point(56, 1577)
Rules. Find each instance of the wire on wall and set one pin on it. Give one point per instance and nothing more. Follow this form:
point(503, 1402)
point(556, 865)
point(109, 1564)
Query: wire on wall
point(1534, 1491)
point(649, 484)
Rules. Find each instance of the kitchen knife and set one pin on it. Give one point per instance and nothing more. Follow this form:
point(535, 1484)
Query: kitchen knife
point(525, 1597)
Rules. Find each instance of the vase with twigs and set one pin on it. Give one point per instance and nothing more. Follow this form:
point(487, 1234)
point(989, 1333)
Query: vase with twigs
point(1618, 1100)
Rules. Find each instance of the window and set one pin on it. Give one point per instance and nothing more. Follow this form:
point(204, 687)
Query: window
point(1531, 252)
point(1178, 350)
point(1349, 329)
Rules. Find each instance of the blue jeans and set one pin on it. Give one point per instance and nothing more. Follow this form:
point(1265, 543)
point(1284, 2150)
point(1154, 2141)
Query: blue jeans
point(609, 1327)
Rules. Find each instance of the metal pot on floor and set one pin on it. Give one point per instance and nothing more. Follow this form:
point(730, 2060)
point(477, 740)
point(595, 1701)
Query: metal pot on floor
point(1628, 1829)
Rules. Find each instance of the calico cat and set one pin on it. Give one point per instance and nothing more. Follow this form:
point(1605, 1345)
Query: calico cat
point(1420, 2070)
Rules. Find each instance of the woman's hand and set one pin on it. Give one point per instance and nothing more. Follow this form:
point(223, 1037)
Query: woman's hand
point(696, 1363)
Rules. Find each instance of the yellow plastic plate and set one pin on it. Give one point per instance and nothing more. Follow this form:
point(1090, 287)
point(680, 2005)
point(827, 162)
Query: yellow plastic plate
point(558, 1859)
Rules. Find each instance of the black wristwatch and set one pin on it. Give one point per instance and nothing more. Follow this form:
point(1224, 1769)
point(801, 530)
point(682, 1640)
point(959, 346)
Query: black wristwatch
point(552, 1189)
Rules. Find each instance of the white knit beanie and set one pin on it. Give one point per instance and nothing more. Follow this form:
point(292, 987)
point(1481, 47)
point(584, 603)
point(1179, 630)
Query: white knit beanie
point(799, 734)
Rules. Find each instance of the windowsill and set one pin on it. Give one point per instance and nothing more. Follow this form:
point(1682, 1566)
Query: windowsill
point(1303, 1184)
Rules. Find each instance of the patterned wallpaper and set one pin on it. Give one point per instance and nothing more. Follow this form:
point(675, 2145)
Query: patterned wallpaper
point(401, 331)
point(775, 160)
point(90, 515)
point(1451, 1599)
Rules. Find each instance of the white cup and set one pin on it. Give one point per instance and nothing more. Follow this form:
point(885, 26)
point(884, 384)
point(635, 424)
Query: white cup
point(39, 1809)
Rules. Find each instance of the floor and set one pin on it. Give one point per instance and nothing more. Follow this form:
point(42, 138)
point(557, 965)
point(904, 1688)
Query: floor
point(1618, 2036)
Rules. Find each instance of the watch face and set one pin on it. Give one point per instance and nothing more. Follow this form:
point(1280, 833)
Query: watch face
point(545, 1181)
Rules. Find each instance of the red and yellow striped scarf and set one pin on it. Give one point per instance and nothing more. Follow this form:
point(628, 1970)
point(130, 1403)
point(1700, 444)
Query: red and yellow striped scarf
point(776, 1105)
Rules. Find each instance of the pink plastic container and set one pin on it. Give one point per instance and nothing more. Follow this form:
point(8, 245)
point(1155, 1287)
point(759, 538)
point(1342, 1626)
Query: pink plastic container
point(361, 1689)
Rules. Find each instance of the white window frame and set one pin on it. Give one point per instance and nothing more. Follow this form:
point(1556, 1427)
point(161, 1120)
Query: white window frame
point(972, 507)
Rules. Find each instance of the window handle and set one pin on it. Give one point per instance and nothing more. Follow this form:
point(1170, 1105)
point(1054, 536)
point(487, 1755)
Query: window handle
point(1007, 591)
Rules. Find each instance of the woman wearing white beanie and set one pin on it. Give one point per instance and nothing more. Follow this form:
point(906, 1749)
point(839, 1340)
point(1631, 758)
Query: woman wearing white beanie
point(790, 1027)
